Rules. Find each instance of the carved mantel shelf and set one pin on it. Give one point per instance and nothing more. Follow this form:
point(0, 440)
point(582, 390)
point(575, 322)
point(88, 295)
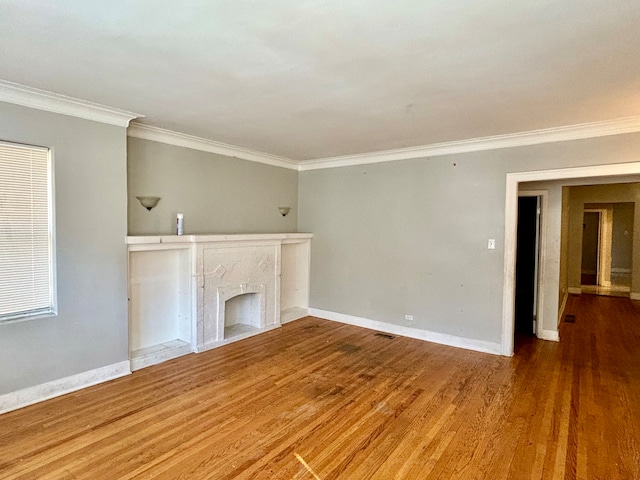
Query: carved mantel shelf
point(240, 237)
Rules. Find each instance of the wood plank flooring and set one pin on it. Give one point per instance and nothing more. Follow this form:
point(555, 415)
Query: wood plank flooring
point(321, 400)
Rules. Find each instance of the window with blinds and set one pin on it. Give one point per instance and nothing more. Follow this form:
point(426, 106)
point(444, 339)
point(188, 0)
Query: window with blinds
point(26, 239)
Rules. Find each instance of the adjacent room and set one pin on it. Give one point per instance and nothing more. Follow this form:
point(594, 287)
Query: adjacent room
point(319, 240)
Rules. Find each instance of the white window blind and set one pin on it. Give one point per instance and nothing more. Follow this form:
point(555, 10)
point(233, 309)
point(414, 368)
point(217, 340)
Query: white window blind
point(26, 262)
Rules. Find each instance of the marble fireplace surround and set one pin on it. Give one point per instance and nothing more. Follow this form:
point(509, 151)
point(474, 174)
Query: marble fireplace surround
point(227, 270)
point(209, 271)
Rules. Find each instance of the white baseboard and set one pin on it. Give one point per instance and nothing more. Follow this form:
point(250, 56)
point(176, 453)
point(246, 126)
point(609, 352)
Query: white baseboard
point(426, 335)
point(634, 296)
point(575, 290)
point(294, 313)
point(159, 353)
point(38, 393)
point(551, 335)
point(620, 270)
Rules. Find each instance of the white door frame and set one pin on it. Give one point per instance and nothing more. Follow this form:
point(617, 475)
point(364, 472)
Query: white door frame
point(541, 246)
point(511, 225)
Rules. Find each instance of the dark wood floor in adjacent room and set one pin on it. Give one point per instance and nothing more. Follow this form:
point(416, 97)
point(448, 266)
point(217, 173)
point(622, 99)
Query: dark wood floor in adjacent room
point(321, 400)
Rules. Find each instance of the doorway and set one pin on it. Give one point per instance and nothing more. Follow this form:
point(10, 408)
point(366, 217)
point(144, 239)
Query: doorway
point(607, 245)
point(590, 248)
point(623, 172)
point(527, 264)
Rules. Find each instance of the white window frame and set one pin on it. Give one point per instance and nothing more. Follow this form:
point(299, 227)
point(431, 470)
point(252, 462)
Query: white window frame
point(52, 311)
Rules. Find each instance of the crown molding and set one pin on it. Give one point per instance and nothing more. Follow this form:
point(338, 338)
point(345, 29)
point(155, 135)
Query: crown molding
point(43, 100)
point(533, 137)
point(53, 102)
point(156, 134)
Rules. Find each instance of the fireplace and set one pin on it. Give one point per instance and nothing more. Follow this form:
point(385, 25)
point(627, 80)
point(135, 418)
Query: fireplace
point(193, 293)
point(243, 312)
point(241, 291)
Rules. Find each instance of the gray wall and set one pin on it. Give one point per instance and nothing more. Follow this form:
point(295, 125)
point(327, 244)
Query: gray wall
point(390, 239)
point(410, 237)
point(217, 194)
point(90, 330)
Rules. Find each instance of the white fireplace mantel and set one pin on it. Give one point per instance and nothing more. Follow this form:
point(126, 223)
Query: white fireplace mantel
point(235, 237)
point(191, 293)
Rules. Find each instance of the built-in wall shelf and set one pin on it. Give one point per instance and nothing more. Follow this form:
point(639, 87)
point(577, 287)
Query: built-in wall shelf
point(296, 255)
point(196, 292)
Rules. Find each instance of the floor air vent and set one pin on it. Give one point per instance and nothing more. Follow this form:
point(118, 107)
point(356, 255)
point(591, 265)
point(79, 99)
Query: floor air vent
point(570, 318)
point(385, 335)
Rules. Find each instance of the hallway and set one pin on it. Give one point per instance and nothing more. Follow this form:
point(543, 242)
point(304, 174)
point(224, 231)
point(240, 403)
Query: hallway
point(597, 367)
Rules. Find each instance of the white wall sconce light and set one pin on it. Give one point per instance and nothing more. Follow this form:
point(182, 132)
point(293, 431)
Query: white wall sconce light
point(284, 210)
point(148, 202)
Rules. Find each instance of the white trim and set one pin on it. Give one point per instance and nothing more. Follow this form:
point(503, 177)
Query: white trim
point(147, 132)
point(508, 290)
point(634, 296)
point(152, 356)
point(38, 393)
point(620, 270)
point(510, 230)
point(293, 313)
point(426, 335)
point(574, 290)
point(52, 233)
point(53, 102)
point(533, 137)
point(172, 241)
point(551, 335)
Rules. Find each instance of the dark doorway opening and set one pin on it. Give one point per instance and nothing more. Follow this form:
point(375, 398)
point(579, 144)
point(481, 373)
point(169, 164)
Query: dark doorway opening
point(527, 265)
point(590, 248)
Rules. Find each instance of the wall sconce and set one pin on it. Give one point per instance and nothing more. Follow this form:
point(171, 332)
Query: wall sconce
point(284, 210)
point(148, 202)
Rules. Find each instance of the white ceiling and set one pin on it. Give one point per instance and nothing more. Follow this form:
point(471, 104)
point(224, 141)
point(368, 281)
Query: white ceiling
point(308, 79)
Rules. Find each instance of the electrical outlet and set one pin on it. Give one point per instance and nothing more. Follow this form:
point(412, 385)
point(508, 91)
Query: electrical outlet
point(409, 317)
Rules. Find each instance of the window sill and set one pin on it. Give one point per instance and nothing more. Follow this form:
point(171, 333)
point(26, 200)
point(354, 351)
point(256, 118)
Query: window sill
point(27, 317)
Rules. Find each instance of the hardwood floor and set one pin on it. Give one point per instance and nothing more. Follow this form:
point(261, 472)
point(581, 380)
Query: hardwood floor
point(321, 400)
